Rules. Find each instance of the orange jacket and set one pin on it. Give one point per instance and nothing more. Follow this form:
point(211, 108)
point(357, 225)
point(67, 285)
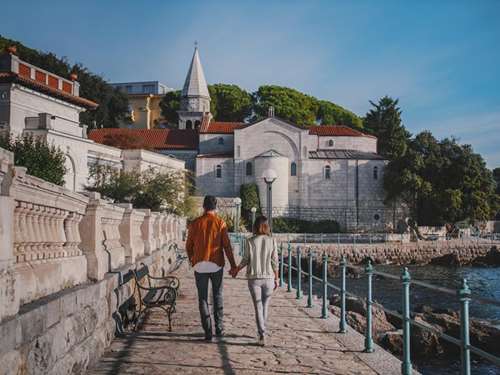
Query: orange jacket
point(208, 240)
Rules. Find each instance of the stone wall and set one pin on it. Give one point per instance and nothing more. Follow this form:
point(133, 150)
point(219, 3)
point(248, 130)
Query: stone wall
point(400, 253)
point(67, 332)
point(62, 255)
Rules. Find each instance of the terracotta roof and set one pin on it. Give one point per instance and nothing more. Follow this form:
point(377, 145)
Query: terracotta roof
point(11, 77)
point(220, 127)
point(160, 139)
point(344, 154)
point(336, 130)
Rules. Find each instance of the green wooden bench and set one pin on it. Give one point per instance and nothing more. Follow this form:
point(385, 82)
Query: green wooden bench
point(155, 292)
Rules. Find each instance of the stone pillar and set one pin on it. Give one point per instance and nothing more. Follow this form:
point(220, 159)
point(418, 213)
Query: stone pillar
point(9, 299)
point(147, 231)
point(92, 235)
point(130, 233)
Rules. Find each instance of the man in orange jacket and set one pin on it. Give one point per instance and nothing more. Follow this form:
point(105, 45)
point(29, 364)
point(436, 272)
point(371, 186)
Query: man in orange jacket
point(206, 244)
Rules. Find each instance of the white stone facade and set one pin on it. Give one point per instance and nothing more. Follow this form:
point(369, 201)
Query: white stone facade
point(29, 105)
point(319, 177)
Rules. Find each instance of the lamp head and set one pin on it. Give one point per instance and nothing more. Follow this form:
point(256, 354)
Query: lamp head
point(253, 209)
point(237, 201)
point(269, 175)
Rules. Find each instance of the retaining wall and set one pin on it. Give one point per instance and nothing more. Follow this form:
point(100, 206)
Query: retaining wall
point(421, 252)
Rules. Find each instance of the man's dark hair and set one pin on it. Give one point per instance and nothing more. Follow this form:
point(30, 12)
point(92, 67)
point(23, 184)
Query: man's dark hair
point(210, 203)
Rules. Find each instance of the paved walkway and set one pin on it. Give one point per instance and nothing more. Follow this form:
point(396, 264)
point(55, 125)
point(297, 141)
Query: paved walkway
point(299, 342)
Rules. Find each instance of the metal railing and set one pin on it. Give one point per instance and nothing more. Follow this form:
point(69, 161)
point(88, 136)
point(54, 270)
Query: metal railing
point(463, 296)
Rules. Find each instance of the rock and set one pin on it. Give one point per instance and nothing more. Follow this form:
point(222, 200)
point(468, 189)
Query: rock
point(356, 312)
point(392, 341)
point(424, 343)
point(482, 333)
point(448, 260)
point(492, 258)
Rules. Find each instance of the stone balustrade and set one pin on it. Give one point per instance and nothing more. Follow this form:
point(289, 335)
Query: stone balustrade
point(46, 237)
point(52, 238)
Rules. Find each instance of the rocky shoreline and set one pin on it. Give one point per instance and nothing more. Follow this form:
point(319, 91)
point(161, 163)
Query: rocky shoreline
point(425, 345)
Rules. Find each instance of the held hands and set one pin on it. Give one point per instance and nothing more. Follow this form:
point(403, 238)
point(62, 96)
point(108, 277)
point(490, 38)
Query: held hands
point(234, 271)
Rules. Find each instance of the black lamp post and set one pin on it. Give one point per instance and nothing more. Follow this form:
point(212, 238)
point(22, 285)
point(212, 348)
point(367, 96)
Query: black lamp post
point(269, 177)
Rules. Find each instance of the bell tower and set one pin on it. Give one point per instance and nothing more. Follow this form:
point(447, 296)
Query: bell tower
point(195, 98)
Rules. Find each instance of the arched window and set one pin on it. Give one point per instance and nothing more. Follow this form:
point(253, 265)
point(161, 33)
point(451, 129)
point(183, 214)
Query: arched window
point(220, 141)
point(197, 124)
point(189, 124)
point(375, 173)
point(218, 171)
point(330, 143)
point(293, 169)
point(249, 168)
point(328, 172)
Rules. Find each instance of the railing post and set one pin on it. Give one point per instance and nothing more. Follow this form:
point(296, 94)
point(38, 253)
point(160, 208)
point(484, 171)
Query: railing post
point(310, 278)
point(289, 288)
point(342, 323)
point(406, 368)
point(324, 307)
point(282, 258)
point(369, 302)
point(464, 295)
point(299, 274)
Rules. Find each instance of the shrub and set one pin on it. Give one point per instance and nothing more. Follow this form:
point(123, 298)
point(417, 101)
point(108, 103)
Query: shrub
point(292, 225)
point(154, 190)
point(39, 158)
point(249, 194)
point(229, 220)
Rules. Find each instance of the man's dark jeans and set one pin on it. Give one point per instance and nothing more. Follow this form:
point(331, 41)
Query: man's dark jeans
point(202, 286)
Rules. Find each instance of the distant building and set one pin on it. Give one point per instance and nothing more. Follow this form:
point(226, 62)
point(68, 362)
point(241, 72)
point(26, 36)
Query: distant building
point(144, 103)
point(146, 87)
point(324, 172)
point(36, 102)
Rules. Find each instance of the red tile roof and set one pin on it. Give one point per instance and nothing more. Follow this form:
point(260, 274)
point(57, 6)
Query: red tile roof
point(336, 130)
point(220, 127)
point(11, 77)
point(159, 139)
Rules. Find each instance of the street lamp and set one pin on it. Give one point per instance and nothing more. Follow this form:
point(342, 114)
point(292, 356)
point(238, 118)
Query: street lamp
point(237, 202)
point(253, 210)
point(269, 177)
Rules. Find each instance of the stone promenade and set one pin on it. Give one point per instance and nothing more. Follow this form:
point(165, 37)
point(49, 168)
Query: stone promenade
point(299, 342)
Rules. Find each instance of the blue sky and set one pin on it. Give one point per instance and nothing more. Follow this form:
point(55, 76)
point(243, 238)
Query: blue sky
point(440, 58)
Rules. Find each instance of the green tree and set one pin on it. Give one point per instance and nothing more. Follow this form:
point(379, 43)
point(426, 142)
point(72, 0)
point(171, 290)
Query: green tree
point(230, 102)
point(496, 176)
point(40, 159)
point(289, 104)
point(441, 181)
point(332, 114)
point(384, 121)
point(113, 104)
point(249, 194)
point(169, 105)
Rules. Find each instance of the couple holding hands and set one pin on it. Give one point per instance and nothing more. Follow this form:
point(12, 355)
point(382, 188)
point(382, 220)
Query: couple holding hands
point(206, 244)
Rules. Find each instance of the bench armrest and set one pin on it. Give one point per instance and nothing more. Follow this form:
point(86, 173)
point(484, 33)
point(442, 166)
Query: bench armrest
point(172, 281)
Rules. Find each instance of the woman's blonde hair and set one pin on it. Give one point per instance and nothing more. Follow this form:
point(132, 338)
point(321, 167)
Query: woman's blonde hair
point(261, 226)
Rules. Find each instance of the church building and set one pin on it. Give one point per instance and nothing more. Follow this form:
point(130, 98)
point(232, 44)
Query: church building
point(323, 172)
